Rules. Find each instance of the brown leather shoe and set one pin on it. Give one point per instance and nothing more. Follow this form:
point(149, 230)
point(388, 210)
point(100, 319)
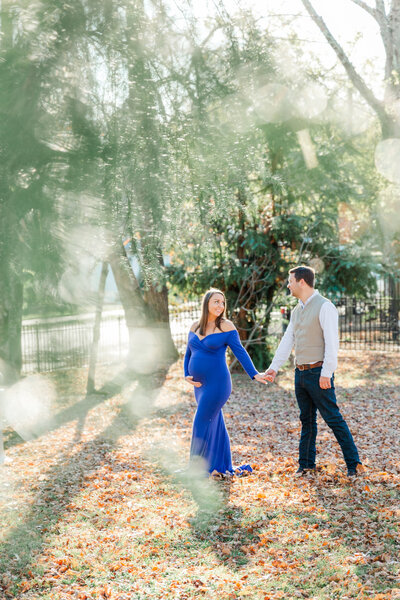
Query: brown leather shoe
point(359, 469)
point(301, 471)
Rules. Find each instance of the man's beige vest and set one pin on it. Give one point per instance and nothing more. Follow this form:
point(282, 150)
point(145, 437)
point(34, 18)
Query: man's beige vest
point(309, 343)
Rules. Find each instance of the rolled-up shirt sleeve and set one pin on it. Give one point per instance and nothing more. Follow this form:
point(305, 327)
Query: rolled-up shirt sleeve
point(284, 349)
point(329, 321)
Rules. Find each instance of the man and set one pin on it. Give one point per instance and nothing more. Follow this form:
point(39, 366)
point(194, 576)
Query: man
point(313, 331)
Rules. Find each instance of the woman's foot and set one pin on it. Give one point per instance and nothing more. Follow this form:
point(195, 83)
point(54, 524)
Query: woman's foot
point(219, 476)
point(243, 471)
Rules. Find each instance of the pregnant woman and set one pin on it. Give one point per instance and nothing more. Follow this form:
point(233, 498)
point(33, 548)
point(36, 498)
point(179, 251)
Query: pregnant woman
point(206, 369)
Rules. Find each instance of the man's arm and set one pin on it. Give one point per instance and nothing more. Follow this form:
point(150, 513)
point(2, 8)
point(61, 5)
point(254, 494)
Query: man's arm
point(329, 321)
point(282, 353)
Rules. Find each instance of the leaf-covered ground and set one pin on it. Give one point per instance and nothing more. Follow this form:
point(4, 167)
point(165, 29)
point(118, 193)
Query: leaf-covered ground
point(97, 507)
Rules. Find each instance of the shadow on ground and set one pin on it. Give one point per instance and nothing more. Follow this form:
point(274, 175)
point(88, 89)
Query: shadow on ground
point(65, 479)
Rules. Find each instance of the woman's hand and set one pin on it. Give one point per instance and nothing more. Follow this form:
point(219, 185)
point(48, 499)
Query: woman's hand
point(259, 377)
point(189, 378)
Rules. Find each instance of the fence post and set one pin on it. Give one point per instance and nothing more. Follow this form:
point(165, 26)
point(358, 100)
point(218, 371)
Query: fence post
point(119, 337)
point(37, 347)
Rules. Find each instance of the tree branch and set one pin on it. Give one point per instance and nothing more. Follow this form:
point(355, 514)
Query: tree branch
point(382, 18)
point(394, 37)
point(386, 35)
point(366, 7)
point(394, 7)
point(355, 78)
point(380, 7)
point(209, 36)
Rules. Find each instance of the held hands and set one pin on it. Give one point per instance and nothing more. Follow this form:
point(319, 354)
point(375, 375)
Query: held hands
point(270, 375)
point(261, 378)
point(189, 379)
point(324, 382)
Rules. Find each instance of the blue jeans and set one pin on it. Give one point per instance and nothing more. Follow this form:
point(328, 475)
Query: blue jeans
point(310, 398)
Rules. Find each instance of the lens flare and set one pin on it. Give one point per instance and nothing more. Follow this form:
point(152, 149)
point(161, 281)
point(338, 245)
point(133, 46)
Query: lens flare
point(140, 403)
point(27, 405)
point(84, 248)
point(307, 148)
point(147, 349)
point(389, 210)
point(309, 101)
point(286, 60)
point(348, 114)
point(317, 264)
point(395, 110)
point(387, 159)
point(235, 115)
point(75, 284)
point(194, 478)
point(271, 103)
point(86, 239)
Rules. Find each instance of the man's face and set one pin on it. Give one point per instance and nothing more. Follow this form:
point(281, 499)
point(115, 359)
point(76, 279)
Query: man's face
point(294, 286)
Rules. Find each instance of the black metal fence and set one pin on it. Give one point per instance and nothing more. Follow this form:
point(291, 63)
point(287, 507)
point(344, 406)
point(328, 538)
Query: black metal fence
point(370, 324)
point(63, 343)
point(181, 318)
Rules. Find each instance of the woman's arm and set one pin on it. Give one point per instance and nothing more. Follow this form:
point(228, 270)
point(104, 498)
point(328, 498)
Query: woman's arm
point(188, 350)
point(186, 361)
point(241, 354)
point(188, 354)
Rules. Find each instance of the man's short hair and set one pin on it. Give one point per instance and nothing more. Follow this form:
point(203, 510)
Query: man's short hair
point(306, 273)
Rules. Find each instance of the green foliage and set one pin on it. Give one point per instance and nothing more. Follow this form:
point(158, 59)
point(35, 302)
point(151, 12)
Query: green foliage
point(116, 123)
point(270, 209)
point(350, 271)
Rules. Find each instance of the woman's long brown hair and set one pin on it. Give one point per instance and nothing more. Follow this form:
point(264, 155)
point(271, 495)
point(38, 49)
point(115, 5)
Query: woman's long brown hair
point(204, 311)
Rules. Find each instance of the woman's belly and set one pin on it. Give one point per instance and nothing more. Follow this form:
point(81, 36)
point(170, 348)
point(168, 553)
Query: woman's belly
point(209, 369)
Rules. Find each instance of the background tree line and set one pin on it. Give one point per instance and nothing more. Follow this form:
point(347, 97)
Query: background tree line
point(216, 146)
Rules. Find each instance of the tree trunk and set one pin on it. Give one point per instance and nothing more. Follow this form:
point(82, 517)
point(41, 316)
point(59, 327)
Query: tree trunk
point(142, 102)
point(10, 328)
point(11, 297)
point(129, 292)
point(156, 298)
point(146, 314)
point(96, 329)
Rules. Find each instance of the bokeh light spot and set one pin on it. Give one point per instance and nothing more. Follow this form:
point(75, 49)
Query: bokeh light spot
point(387, 159)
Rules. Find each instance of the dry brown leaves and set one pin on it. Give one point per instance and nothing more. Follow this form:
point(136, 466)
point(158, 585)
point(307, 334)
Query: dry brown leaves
point(93, 508)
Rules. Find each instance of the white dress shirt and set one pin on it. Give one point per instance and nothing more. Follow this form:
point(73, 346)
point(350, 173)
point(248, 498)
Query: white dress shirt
point(329, 321)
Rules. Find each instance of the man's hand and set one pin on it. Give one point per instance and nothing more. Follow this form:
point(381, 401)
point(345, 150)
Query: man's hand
point(270, 375)
point(325, 383)
point(261, 378)
point(189, 378)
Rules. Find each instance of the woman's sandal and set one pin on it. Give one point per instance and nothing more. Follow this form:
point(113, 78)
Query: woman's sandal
point(243, 471)
point(217, 475)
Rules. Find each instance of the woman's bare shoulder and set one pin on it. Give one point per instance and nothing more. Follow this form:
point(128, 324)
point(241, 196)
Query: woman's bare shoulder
point(195, 326)
point(227, 325)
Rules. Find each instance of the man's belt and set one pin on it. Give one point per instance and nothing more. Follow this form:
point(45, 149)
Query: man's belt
point(310, 366)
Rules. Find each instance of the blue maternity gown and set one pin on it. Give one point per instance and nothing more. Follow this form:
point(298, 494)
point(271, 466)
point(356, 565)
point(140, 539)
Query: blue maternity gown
point(205, 362)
